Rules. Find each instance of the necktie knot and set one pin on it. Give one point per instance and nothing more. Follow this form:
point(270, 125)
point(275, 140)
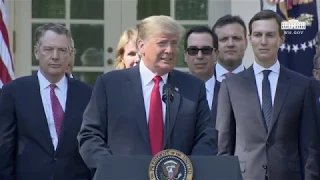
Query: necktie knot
point(228, 74)
point(53, 86)
point(157, 79)
point(266, 73)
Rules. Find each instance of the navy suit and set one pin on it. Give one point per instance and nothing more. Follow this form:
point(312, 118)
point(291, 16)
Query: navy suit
point(26, 149)
point(114, 123)
point(215, 101)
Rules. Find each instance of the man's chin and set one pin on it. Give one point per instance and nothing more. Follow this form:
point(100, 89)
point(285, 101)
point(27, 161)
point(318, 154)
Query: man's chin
point(165, 68)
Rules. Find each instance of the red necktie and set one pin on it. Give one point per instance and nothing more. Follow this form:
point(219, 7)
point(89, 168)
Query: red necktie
point(57, 110)
point(155, 124)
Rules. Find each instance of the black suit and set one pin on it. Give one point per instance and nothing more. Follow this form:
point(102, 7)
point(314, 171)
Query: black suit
point(26, 149)
point(289, 149)
point(115, 119)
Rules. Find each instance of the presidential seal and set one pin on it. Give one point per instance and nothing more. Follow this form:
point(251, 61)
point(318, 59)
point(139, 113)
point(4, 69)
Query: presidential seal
point(170, 164)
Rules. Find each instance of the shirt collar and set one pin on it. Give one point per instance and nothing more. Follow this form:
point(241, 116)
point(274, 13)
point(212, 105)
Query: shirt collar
point(221, 71)
point(210, 84)
point(274, 68)
point(147, 75)
point(44, 83)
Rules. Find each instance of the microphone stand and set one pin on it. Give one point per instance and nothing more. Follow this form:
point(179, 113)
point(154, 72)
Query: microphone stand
point(168, 98)
point(167, 122)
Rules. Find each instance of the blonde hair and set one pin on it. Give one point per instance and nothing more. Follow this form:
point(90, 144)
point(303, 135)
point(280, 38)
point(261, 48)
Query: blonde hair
point(159, 24)
point(126, 37)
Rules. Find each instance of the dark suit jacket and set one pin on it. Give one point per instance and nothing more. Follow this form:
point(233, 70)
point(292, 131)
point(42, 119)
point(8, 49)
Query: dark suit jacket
point(26, 149)
point(215, 101)
point(316, 90)
point(289, 149)
point(114, 123)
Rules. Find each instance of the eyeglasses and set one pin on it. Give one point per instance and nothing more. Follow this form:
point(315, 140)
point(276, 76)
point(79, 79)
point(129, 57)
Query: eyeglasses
point(193, 51)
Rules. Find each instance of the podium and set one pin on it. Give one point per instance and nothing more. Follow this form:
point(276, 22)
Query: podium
point(136, 168)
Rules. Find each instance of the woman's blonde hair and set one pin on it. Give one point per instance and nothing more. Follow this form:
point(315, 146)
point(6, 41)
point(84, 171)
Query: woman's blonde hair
point(126, 37)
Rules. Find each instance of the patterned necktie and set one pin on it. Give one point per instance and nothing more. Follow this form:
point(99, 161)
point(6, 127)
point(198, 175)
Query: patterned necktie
point(266, 97)
point(155, 123)
point(57, 110)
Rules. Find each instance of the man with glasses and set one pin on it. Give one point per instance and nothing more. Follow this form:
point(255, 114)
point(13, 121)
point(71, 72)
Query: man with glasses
point(40, 115)
point(200, 45)
point(231, 33)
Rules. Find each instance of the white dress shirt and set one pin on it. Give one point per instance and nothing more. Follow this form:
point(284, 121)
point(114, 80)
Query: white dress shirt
point(273, 78)
point(61, 93)
point(221, 71)
point(210, 90)
point(147, 86)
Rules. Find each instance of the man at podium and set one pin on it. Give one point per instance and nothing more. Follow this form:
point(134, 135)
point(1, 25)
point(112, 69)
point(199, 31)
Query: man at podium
point(126, 113)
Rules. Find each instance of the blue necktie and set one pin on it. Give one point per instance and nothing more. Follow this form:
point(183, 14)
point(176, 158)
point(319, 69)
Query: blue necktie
point(266, 97)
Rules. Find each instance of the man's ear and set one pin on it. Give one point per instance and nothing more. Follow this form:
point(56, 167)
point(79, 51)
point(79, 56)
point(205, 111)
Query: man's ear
point(140, 46)
point(36, 51)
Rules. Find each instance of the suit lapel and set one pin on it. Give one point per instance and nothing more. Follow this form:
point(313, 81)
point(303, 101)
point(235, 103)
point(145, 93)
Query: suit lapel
point(134, 84)
point(172, 79)
point(69, 110)
point(215, 99)
point(42, 124)
point(280, 96)
point(254, 96)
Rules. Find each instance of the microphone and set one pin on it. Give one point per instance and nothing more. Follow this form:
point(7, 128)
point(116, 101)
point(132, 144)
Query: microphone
point(167, 97)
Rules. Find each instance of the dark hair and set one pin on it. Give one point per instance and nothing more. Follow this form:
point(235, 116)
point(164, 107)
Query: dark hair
point(201, 29)
point(316, 59)
point(57, 28)
point(266, 15)
point(229, 19)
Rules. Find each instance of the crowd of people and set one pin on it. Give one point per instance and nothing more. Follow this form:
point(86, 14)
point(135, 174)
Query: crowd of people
point(54, 126)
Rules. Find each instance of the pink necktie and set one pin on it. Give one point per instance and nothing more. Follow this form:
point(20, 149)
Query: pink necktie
point(155, 124)
point(57, 110)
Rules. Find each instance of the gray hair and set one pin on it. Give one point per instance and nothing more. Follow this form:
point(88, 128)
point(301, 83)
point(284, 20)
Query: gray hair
point(57, 28)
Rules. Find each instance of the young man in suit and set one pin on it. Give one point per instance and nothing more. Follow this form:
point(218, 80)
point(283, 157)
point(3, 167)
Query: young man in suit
point(231, 33)
point(266, 113)
point(200, 47)
point(40, 115)
point(126, 115)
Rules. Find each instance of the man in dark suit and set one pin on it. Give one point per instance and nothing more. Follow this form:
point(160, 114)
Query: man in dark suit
point(40, 116)
point(265, 114)
point(125, 115)
point(200, 47)
point(231, 33)
point(316, 83)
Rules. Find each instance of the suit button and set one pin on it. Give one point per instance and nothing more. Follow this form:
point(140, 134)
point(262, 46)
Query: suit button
point(264, 166)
